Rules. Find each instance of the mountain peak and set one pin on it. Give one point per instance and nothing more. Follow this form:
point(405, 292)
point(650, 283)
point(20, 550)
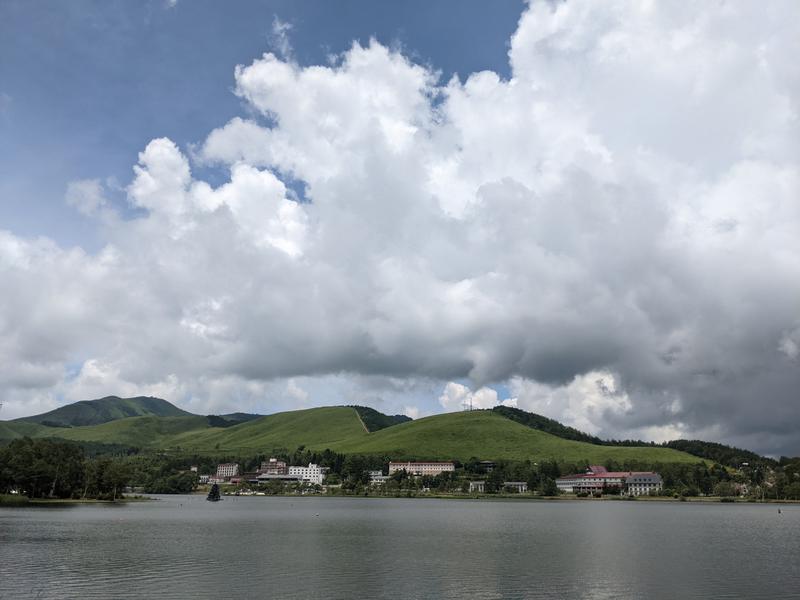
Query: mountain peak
point(103, 410)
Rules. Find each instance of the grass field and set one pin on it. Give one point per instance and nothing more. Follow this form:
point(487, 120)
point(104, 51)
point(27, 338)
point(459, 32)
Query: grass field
point(316, 428)
point(488, 435)
point(133, 431)
point(11, 430)
point(461, 435)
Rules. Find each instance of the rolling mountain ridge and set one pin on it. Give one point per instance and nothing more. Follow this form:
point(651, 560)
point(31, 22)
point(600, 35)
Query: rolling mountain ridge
point(345, 429)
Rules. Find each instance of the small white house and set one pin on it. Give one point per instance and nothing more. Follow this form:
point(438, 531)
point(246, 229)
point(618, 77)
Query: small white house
point(377, 478)
point(519, 487)
point(477, 487)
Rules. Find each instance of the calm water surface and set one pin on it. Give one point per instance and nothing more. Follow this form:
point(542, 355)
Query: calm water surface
point(184, 547)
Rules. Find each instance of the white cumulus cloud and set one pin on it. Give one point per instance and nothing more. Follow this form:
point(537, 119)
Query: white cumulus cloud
point(622, 209)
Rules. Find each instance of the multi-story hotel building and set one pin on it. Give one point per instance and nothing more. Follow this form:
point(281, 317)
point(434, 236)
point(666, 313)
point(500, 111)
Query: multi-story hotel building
point(227, 470)
point(422, 468)
point(597, 479)
point(640, 483)
point(310, 474)
point(273, 466)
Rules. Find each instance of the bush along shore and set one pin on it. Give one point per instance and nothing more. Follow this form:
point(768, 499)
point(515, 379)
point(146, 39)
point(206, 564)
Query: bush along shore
point(13, 500)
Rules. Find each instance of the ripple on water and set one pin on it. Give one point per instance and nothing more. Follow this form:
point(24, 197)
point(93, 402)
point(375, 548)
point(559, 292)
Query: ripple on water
point(351, 548)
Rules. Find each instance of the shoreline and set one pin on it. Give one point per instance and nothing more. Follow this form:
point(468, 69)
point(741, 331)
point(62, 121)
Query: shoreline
point(526, 498)
point(9, 501)
point(13, 500)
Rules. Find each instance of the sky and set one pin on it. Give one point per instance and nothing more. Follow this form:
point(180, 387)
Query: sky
point(587, 210)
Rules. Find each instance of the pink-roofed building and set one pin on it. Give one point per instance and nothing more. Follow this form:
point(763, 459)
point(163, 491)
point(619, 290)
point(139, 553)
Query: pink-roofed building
point(598, 478)
point(422, 468)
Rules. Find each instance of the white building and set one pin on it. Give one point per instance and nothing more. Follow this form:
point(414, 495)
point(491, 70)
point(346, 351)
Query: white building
point(310, 474)
point(519, 487)
point(477, 487)
point(642, 483)
point(377, 478)
point(227, 470)
point(422, 468)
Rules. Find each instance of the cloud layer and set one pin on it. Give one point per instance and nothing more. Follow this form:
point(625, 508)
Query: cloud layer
point(612, 234)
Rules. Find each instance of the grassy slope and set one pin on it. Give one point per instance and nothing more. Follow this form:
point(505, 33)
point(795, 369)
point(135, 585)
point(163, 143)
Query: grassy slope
point(455, 435)
point(10, 430)
point(491, 436)
point(316, 428)
point(111, 408)
point(133, 431)
point(460, 436)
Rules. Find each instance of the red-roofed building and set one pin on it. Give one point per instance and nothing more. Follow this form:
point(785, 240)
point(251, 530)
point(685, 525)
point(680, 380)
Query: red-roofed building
point(421, 468)
point(598, 479)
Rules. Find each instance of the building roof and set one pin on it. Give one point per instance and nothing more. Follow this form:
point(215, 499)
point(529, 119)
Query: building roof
point(420, 462)
point(608, 475)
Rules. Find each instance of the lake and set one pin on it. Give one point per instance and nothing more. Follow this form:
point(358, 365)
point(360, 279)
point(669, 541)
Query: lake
point(266, 547)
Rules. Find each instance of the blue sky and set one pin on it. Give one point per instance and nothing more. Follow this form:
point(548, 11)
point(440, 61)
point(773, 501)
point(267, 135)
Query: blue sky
point(85, 85)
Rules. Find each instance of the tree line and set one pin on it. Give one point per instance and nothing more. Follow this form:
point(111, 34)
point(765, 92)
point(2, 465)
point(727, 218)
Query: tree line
point(44, 468)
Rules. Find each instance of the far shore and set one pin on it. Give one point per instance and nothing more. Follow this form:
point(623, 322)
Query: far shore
point(525, 498)
point(10, 500)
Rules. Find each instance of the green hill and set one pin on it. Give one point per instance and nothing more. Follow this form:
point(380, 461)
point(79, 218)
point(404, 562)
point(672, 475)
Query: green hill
point(146, 431)
point(488, 435)
point(239, 417)
point(104, 410)
point(461, 436)
point(545, 424)
point(316, 428)
point(375, 421)
point(11, 430)
point(721, 453)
